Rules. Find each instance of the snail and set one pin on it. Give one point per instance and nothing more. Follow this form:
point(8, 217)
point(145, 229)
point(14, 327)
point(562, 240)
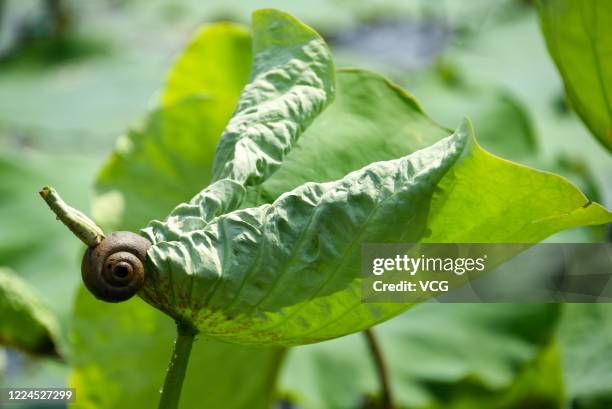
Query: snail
point(113, 267)
point(114, 270)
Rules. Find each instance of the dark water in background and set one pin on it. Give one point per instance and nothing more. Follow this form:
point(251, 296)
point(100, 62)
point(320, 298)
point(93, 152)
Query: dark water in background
point(404, 43)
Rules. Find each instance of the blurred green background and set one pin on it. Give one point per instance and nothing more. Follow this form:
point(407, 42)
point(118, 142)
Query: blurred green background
point(75, 75)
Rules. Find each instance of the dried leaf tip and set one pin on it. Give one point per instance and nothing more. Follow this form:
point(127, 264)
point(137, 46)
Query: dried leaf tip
point(82, 226)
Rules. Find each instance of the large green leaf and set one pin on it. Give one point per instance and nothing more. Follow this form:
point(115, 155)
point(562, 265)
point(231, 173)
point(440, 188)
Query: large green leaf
point(510, 203)
point(438, 356)
point(280, 273)
point(26, 323)
point(579, 38)
point(291, 82)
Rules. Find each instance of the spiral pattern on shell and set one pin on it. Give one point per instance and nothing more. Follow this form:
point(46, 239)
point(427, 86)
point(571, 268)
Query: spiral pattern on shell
point(114, 270)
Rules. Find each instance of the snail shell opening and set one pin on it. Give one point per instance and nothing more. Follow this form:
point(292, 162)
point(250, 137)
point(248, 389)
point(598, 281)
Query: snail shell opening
point(114, 270)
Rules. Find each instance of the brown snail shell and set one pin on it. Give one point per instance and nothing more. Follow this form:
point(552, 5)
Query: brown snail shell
point(114, 270)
